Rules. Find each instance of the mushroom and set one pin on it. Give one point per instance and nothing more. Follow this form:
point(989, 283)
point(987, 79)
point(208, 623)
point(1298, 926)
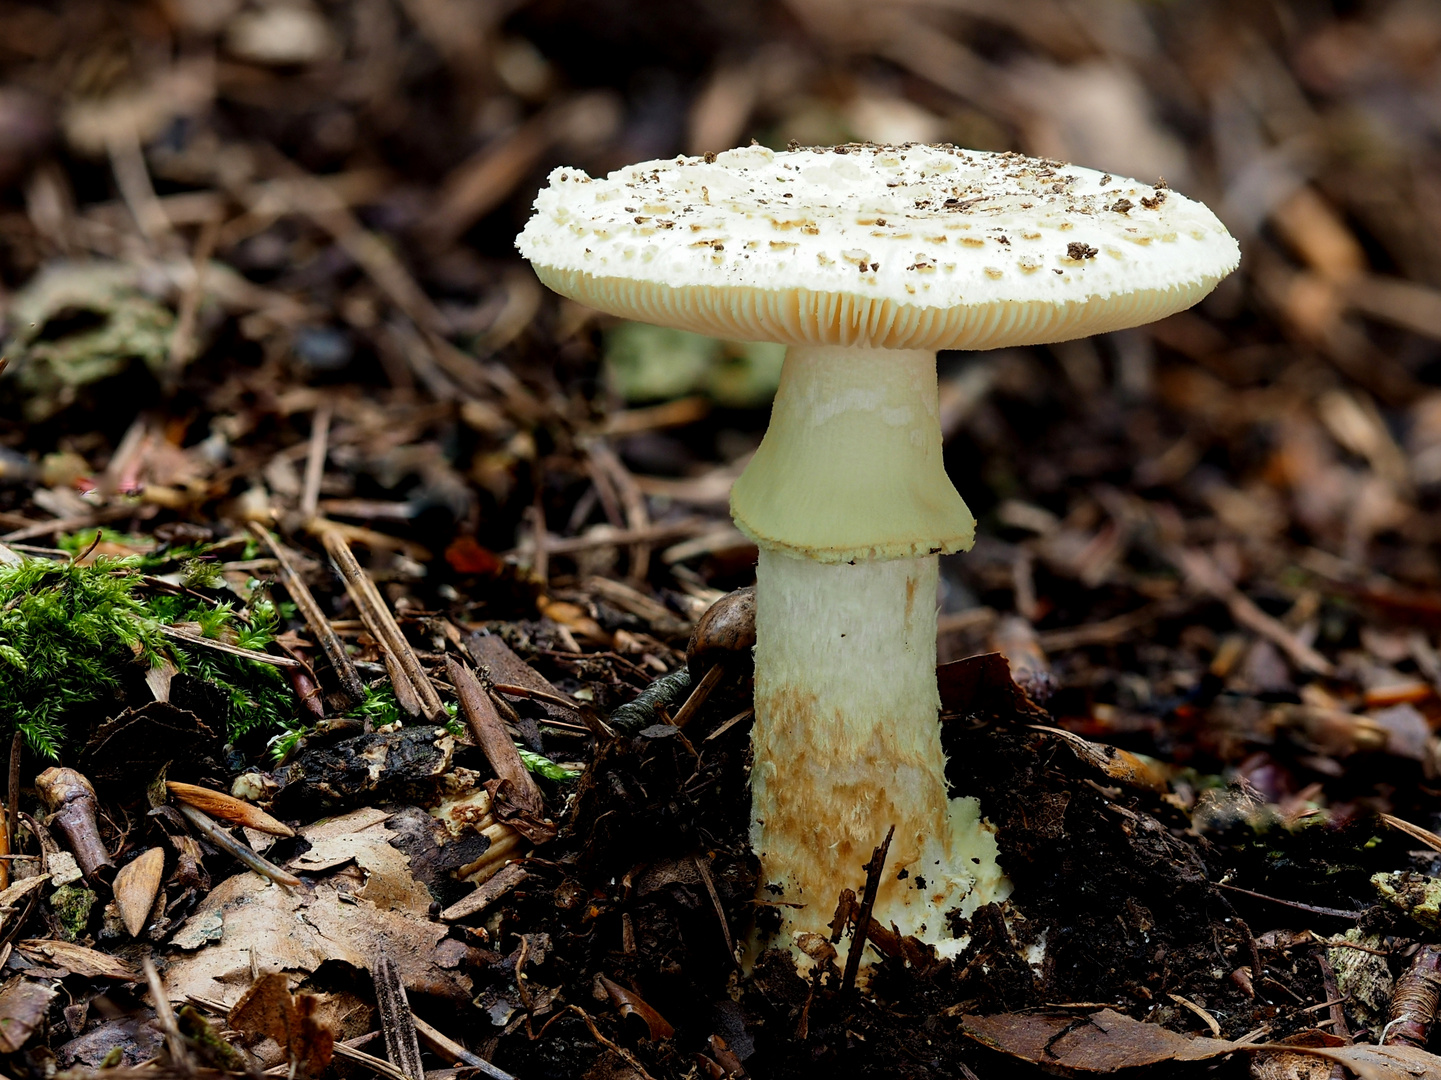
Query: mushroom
point(865, 260)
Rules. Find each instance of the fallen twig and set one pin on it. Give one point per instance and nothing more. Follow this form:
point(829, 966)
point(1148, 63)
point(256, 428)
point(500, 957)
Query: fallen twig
point(863, 915)
point(225, 647)
point(381, 623)
point(396, 1022)
point(232, 847)
point(350, 685)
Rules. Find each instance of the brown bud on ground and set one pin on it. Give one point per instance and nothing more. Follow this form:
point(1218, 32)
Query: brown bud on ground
point(136, 886)
point(228, 808)
point(725, 634)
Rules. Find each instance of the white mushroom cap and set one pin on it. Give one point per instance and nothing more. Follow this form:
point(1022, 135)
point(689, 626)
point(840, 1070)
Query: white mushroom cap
point(904, 247)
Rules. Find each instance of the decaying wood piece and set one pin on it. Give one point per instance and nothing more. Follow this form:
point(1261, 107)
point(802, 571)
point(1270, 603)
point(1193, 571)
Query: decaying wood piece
point(350, 685)
point(514, 785)
point(485, 895)
point(370, 768)
point(67, 794)
point(1413, 1005)
point(396, 1022)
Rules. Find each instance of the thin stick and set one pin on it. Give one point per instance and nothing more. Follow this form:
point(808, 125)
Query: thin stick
point(315, 462)
point(541, 543)
point(396, 1022)
point(12, 802)
point(232, 847)
point(703, 869)
point(132, 177)
point(511, 690)
point(1205, 576)
point(632, 500)
point(68, 524)
point(863, 917)
point(607, 537)
point(370, 1061)
point(381, 623)
point(225, 647)
point(447, 1047)
point(698, 695)
point(182, 339)
point(405, 693)
point(1335, 913)
point(1335, 1000)
point(165, 1016)
point(350, 685)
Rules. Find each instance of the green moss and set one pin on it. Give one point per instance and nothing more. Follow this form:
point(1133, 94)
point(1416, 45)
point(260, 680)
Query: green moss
point(71, 905)
point(73, 636)
point(203, 1037)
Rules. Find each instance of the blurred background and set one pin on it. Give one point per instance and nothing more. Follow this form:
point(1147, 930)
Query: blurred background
point(232, 231)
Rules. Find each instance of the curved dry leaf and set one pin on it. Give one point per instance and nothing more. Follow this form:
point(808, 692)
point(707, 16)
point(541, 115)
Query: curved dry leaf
point(269, 1009)
point(228, 808)
point(135, 887)
point(628, 1002)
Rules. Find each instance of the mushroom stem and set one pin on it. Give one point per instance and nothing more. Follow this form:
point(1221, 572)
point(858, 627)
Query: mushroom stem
point(847, 743)
point(849, 501)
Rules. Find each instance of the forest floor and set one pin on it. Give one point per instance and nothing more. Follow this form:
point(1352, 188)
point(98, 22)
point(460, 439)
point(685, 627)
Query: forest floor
point(329, 539)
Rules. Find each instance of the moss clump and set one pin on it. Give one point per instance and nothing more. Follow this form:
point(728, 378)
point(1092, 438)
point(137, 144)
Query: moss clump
point(202, 1037)
point(71, 905)
point(75, 635)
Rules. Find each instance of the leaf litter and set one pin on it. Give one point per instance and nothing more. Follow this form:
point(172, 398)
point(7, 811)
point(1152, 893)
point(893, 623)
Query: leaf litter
point(313, 503)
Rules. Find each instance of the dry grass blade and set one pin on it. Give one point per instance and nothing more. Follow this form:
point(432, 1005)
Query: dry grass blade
point(350, 685)
point(381, 623)
point(1415, 832)
point(315, 461)
point(255, 655)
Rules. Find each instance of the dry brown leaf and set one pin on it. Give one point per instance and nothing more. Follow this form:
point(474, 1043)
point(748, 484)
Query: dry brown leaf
point(1106, 1041)
point(228, 808)
point(389, 884)
point(269, 1010)
point(297, 932)
point(135, 887)
point(629, 1003)
point(24, 1003)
